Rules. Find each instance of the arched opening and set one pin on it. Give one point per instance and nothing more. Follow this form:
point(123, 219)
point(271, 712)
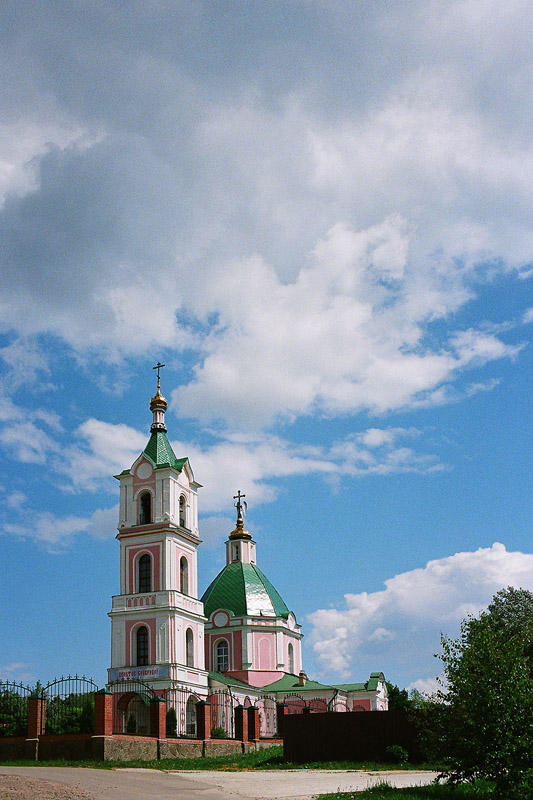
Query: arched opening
point(144, 582)
point(138, 716)
point(184, 575)
point(142, 646)
point(189, 648)
point(222, 656)
point(183, 512)
point(291, 659)
point(190, 716)
point(145, 508)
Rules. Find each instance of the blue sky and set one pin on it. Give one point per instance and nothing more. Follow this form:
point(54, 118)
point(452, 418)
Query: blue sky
point(318, 215)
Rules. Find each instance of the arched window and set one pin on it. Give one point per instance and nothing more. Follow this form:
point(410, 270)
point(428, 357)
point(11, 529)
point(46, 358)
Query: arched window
point(145, 508)
point(291, 659)
point(144, 583)
point(190, 716)
point(183, 512)
point(142, 646)
point(189, 648)
point(222, 656)
point(184, 575)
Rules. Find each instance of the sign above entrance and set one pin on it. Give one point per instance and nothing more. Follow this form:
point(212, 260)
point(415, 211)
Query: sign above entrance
point(138, 673)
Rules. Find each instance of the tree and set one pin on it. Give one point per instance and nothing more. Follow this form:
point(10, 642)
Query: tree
point(171, 723)
point(485, 725)
point(398, 698)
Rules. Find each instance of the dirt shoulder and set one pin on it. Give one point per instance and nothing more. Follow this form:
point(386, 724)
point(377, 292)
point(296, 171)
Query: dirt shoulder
point(15, 787)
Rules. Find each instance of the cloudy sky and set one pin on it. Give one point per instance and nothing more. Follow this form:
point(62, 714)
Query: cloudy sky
point(319, 216)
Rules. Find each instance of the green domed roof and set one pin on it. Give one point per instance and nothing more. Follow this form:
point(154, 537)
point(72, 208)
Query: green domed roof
point(245, 591)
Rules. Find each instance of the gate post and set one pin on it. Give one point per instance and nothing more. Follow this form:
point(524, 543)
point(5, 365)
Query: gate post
point(158, 711)
point(253, 723)
point(103, 713)
point(241, 723)
point(203, 719)
point(36, 717)
point(282, 710)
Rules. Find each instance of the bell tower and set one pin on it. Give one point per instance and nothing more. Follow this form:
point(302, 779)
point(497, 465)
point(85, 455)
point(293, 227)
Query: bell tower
point(157, 621)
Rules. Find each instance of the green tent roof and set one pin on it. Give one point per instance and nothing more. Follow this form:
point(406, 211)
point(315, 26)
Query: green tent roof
point(245, 591)
point(160, 453)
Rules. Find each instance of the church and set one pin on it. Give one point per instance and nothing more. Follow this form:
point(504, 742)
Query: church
point(239, 640)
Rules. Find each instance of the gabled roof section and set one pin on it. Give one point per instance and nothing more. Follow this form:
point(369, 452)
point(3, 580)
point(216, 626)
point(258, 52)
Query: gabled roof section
point(243, 590)
point(160, 453)
point(289, 683)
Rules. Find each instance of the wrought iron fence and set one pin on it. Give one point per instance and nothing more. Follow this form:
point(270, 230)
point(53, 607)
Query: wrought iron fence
point(69, 706)
point(131, 706)
point(268, 717)
point(183, 701)
point(13, 708)
point(223, 705)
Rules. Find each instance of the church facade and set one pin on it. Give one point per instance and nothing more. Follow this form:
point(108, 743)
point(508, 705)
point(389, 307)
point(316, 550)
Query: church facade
point(239, 638)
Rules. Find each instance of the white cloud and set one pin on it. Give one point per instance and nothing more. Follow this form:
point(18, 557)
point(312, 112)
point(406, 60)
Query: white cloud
point(55, 533)
point(19, 671)
point(401, 624)
point(214, 530)
point(302, 239)
point(16, 499)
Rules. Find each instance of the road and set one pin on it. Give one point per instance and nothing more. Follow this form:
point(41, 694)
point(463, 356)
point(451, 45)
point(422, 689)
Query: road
point(146, 784)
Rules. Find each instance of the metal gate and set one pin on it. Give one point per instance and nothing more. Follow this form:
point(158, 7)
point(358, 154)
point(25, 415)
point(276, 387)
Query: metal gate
point(69, 706)
point(13, 708)
point(131, 706)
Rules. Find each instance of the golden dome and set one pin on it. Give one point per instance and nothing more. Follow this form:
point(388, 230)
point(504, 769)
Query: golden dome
point(158, 401)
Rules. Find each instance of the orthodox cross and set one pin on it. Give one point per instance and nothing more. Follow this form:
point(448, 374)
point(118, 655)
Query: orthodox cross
point(239, 506)
point(158, 367)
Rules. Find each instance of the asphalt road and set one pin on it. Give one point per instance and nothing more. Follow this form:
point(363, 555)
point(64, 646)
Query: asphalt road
point(146, 784)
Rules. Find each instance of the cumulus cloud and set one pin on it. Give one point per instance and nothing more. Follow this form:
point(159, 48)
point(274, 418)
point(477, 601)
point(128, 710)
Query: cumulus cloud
point(55, 533)
point(400, 625)
point(300, 238)
point(254, 462)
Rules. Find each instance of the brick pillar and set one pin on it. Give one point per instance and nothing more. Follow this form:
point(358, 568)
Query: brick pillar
point(241, 723)
point(203, 719)
point(36, 717)
point(308, 710)
point(158, 714)
point(253, 723)
point(282, 710)
point(103, 713)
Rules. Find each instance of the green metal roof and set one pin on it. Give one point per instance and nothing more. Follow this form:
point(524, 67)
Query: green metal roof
point(160, 453)
point(245, 591)
point(289, 683)
point(227, 680)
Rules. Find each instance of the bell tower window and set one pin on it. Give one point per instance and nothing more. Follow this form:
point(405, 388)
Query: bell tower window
point(291, 659)
point(183, 512)
point(189, 648)
point(142, 646)
point(145, 508)
point(144, 573)
point(184, 575)
point(222, 656)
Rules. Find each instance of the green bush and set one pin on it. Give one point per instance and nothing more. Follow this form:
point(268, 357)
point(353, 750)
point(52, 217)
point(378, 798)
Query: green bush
point(218, 732)
point(396, 754)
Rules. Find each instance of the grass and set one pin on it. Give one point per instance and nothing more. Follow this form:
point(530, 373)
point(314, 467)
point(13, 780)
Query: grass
point(267, 758)
point(478, 791)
